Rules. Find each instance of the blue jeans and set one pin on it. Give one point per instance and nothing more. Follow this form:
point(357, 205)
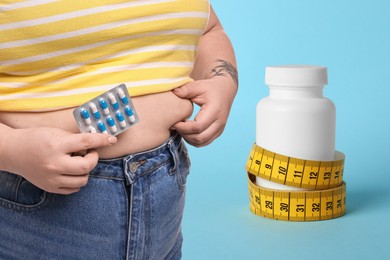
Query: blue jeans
point(131, 208)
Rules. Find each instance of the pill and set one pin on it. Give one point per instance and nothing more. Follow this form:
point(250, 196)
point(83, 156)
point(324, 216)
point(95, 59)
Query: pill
point(94, 110)
point(103, 105)
point(130, 114)
point(102, 128)
point(121, 119)
point(92, 129)
point(122, 96)
point(113, 101)
point(111, 124)
point(85, 115)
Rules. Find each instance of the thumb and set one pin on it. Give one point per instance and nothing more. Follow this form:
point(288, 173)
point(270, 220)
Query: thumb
point(188, 91)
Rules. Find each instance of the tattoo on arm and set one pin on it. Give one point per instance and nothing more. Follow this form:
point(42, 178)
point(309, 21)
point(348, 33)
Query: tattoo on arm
point(223, 68)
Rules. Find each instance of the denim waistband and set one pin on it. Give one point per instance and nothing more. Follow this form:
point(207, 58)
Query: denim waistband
point(108, 168)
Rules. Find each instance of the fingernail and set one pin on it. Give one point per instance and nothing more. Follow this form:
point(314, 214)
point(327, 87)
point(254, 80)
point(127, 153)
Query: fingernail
point(112, 140)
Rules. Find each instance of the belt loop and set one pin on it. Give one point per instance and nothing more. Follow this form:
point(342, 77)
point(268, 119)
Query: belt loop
point(127, 173)
point(173, 151)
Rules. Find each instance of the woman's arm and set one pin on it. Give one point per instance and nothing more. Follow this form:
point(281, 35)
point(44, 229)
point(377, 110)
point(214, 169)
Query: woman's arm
point(214, 88)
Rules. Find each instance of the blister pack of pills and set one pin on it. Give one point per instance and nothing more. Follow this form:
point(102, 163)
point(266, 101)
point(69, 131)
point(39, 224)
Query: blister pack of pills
point(111, 113)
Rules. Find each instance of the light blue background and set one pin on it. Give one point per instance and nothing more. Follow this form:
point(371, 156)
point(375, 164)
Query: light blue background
point(351, 38)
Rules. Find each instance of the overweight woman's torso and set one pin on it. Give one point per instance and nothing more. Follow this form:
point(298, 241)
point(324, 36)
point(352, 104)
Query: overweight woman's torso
point(157, 113)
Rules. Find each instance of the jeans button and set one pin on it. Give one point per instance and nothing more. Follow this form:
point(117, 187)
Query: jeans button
point(133, 166)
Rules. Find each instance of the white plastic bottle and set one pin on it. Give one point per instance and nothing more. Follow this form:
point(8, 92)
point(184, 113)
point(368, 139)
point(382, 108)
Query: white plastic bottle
point(295, 119)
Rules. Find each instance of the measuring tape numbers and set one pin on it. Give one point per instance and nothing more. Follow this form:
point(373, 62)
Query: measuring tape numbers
point(323, 199)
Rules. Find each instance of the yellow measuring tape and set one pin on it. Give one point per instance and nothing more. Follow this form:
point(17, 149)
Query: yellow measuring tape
point(324, 199)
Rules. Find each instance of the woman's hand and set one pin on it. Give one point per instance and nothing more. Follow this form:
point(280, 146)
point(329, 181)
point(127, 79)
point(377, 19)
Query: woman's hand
point(214, 88)
point(47, 157)
point(215, 97)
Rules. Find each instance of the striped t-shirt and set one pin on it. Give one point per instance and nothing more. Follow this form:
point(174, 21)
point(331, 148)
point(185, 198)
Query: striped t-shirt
point(58, 54)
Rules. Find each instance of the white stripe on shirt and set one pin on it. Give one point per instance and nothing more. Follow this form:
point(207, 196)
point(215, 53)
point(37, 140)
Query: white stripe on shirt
point(25, 4)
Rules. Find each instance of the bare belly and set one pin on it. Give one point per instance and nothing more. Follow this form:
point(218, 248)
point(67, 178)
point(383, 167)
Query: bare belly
point(157, 113)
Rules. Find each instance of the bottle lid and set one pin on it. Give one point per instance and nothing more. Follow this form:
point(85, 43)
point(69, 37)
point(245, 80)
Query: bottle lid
point(296, 75)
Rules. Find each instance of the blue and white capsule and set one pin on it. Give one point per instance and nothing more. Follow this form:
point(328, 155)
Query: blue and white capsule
point(122, 96)
point(113, 101)
point(111, 124)
point(103, 105)
point(92, 129)
point(102, 128)
point(95, 111)
point(121, 119)
point(85, 115)
point(130, 114)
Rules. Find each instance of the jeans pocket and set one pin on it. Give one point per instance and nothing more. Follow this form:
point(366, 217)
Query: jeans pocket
point(18, 193)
